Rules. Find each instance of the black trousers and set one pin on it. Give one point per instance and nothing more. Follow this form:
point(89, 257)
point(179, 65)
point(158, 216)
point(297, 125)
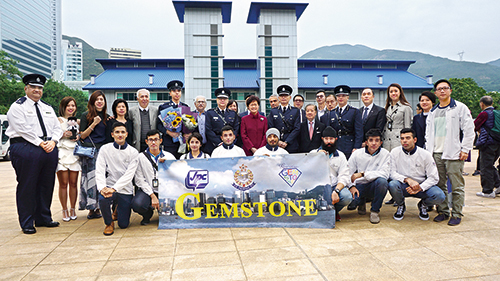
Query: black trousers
point(35, 173)
point(141, 204)
point(489, 174)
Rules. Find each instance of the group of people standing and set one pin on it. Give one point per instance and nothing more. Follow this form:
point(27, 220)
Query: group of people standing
point(130, 143)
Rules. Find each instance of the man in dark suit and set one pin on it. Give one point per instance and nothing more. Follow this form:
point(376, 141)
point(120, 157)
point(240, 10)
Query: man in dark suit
point(372, 115)
point(217, 118)
point(175, 88)
point(311, 130)
point(286, 119)
point(298, 102)
point(346, 120)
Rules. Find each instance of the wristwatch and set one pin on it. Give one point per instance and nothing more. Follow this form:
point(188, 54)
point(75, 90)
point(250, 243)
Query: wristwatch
point(337, 190)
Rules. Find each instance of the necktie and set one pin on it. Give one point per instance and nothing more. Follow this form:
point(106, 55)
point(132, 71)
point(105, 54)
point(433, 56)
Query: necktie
point(311, 130)
point(284, 110)
point(365, 113)
point(340, 111)
point(40, 120)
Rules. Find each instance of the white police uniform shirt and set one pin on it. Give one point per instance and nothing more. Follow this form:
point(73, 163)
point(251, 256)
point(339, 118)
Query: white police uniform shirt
point(114, 160)
point(417, 165)
point(228, 151)
point(373, 166)
point(23, 121)
point(143, 171)
point(266, 149)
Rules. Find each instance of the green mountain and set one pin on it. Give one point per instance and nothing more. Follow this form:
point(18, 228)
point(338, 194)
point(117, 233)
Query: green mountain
point(487, 75)
point(495, 62)
point(90, 66)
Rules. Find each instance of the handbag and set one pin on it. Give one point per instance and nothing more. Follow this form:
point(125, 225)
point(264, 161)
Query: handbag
point(85, 151)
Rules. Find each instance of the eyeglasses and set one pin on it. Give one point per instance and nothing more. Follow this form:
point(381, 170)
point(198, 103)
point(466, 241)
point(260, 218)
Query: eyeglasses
point(153, 140)
point(201, 101)
point(298, 100)
point(442, 89)
point(320, 97)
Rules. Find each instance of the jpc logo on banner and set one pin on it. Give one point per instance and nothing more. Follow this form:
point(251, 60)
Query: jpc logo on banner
point(196, 179)
point(290, 175)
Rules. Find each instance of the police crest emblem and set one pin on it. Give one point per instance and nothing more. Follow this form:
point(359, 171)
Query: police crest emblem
point(243, 178)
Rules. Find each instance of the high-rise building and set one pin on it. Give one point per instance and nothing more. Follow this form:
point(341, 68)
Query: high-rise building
point(72, 61)
point(30, 32)
point(124, 53)
point(203, 45)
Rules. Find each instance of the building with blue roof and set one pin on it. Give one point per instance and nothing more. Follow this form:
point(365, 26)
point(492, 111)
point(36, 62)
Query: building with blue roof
point(204, 68)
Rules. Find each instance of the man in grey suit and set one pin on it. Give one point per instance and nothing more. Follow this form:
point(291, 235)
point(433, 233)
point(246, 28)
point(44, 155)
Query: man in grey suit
point(144, 117)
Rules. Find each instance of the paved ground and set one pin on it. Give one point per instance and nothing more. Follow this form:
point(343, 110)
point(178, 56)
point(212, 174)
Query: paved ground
point(410, 249)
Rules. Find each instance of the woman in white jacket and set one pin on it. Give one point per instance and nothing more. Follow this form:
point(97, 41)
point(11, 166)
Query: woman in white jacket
point(399, 115)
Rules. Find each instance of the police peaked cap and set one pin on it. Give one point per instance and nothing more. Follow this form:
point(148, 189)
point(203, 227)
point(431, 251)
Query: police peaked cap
point(34, 80)
point(329, 132)
point(223, 93)
point(284, 90)
point(175, 85)
point(342, 90)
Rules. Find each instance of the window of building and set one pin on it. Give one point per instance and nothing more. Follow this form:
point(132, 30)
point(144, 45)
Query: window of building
point(126, 96)
point(268, 41)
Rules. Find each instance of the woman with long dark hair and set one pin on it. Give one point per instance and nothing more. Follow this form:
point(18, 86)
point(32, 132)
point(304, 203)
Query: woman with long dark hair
point(93, 133)
point(399, 115)
point(194, 142)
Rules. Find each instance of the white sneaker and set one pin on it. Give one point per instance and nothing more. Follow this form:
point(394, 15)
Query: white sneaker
point(497, 191)
point(487, 195)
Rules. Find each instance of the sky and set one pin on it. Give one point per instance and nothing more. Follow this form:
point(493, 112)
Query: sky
point(438, 27)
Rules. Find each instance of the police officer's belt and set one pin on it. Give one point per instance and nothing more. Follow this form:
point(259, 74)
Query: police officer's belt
point(21, 140)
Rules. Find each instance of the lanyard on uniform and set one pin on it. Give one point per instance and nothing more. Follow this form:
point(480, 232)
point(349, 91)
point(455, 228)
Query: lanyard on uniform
point(155, 168)
point(221, 117)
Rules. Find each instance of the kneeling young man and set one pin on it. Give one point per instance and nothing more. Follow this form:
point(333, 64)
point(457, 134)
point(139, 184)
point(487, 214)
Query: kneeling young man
point(271, 148)
point(111, 164)
point(370, 169)
point(145, 170)
point(228, 148)
point(413, 173)
point(339, 171)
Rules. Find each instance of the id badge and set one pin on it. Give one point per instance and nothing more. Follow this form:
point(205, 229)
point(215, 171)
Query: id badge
point(155, 183)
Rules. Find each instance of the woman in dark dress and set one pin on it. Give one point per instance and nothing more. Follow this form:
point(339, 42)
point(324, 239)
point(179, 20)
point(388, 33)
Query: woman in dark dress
point(120, 114)
point(93, 133)
point(426, 101)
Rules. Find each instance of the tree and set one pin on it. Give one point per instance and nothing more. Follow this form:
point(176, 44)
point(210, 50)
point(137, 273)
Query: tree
point(55, 91)
point(10, 87)
point(468, 92)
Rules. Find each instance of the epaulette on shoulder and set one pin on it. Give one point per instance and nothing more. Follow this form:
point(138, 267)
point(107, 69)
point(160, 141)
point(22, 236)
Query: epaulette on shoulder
point(211, 109)
point(21, 100)
point(45, 103)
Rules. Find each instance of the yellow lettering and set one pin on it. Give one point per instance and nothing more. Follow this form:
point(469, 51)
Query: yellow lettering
point(224, 209)
point(309, 204)
point(282, 209)
point(260, 208)
point(179, 207)
point(296, 208)
point(245, 207)
point(211, 210)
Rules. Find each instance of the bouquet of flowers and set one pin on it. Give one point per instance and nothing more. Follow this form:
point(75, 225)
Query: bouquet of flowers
point(172, 121)
point(188, 120)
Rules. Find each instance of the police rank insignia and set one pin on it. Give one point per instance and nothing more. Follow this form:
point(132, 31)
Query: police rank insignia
point(243, 178)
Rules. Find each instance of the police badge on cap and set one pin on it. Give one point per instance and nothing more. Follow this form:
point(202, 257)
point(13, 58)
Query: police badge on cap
point(174, 85)
point(284, 90)
point(342, 90)
point(222, 93)
point(34, 80)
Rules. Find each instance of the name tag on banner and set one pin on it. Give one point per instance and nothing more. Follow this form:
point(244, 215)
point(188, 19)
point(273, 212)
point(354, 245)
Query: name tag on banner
point(255, 191)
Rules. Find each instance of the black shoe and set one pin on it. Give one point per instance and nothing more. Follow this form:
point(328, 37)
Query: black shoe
point(352, 206)
point(29, 230)
point(441, 217)
point(94, 215)
point(145, 221)
point(430, 208)
point(423, 215)
point(48, 224)
point(476, 173)
point(400, 212)
point(390, 202)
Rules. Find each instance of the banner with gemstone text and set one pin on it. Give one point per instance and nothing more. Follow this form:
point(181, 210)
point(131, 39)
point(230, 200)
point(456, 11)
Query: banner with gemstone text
point(255, 191)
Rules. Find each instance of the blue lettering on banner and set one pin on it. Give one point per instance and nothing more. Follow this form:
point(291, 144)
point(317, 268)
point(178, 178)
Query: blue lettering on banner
point(197, 179)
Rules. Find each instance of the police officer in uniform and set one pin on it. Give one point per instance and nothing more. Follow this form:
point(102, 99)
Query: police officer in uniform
point(286, 119)
point(175, 88)
point(346, 120)
point(219, 117)
point(34, 132)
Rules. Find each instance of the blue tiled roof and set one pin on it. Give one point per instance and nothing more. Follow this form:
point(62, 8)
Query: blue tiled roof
point(135, 78)
point(359, 78)
point(241, 78)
